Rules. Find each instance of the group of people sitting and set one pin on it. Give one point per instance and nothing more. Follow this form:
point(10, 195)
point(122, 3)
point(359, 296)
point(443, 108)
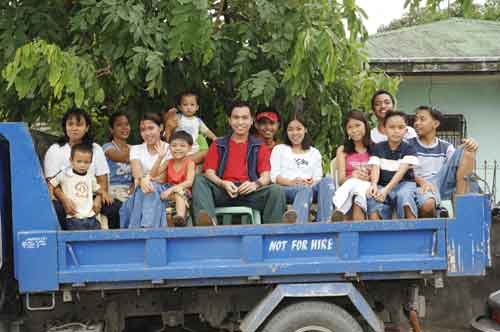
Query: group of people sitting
point(389, 169)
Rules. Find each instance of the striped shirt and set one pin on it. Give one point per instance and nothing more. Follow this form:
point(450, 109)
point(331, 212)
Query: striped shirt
point(431, 158)
point(389, 161)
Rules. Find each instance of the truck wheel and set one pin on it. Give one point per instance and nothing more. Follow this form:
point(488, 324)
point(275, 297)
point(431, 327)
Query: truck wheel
point(312, 316)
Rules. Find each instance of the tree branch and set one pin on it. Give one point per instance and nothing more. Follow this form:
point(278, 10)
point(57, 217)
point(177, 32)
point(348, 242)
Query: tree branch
point(103, 71)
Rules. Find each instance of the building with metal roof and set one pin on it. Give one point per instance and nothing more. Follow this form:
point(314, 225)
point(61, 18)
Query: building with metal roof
point(451, 46)
point(453, 65)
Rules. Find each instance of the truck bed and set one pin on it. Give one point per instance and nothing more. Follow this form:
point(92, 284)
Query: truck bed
point(48, 259)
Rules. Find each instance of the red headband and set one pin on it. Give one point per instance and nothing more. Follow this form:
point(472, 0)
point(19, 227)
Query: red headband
point(268, 115)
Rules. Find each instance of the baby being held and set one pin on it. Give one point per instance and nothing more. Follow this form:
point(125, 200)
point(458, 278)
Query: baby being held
point(189, 122)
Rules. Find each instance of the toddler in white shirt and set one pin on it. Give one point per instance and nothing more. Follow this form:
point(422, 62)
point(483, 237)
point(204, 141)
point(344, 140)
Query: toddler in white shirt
point(189, 122)
point(79, 185)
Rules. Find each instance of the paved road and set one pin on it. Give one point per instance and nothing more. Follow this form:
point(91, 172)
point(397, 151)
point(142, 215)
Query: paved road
point(440, 329)
point(437, 329)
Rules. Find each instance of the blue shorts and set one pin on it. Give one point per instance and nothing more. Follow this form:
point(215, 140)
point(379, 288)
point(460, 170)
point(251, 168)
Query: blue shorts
point(445, 181)
point(404, 194)
point(423, 197)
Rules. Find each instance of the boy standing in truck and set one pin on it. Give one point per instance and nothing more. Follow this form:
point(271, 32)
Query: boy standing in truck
point(79, 185)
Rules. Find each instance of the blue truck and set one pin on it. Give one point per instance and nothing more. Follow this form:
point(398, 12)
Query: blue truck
point(278, 278)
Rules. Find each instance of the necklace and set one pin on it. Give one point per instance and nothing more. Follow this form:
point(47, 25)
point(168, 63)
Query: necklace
point(116, 145)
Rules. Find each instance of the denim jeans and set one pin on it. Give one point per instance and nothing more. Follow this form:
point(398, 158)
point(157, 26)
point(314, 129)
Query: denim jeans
point(302, 198)
point(110, 211)
point(446, 180)
point(404, 194)
point(145, 210)
point(269, 200)
point(75, 224)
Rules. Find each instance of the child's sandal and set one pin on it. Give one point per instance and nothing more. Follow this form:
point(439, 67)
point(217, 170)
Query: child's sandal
point(337, 216)
point(180, 221)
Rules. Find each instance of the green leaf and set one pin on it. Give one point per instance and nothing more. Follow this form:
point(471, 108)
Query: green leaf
point(79, 97)
point(99, 96)
point(55, 74)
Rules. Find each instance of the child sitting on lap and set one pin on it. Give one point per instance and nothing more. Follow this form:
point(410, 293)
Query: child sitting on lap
point(392, 179)
point(79, 185)
point(353, 170)
point(179, 174)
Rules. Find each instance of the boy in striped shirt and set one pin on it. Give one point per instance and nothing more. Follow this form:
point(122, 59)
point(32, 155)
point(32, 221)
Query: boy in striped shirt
point(442, 169)
point(393, 184)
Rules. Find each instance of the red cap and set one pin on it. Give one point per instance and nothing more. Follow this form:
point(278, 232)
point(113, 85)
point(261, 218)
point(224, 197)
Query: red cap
point(268, 115)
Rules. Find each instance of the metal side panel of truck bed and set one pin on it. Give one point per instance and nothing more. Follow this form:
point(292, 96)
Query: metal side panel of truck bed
point(48, 259)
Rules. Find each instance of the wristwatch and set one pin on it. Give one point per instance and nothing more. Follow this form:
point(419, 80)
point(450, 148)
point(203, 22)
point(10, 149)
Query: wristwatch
point(259, 184)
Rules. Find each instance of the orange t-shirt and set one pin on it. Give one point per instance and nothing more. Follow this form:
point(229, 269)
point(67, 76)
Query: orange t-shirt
point(175, 177)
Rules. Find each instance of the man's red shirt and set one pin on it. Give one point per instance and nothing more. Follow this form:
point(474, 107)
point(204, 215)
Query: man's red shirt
point(236, 166)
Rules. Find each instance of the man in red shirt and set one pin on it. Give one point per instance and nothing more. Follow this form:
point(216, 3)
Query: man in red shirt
point(267, 124)
point(237, 174)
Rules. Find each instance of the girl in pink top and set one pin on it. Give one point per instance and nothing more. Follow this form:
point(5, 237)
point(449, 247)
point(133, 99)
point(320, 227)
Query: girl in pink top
point(354, 161)
point(352, 168)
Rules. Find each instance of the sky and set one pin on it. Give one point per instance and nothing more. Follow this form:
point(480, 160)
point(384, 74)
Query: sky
point(382, 12)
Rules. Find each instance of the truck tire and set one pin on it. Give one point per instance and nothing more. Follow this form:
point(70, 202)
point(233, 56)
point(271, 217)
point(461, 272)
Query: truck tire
point(312, 316)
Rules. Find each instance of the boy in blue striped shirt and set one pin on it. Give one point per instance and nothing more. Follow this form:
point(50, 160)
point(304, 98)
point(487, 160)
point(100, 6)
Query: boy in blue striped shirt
point(442, 169)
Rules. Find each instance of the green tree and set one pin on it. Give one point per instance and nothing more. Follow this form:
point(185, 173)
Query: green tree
point(432, 12)
point(137, 55)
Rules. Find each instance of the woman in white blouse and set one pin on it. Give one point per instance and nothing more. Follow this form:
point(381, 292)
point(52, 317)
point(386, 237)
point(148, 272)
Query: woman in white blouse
point(144, 209)
point(297, 166)
point(76, 126)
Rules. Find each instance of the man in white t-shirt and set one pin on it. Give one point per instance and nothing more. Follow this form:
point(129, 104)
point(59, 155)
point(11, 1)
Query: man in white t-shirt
point(79, 184)
point(382, 103)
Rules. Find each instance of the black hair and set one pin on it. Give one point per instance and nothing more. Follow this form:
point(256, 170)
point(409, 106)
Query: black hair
point(238, 104)
point(382, 92)
point(348, 143)
point(268, 109)
point(165, 112)
point(307, 141)
point(187, 94)
point(434, 112)
point(394, 114)
point(79, 115)
point(150, 116)
point(181, 135)
point(113, 118)
point(83, 148)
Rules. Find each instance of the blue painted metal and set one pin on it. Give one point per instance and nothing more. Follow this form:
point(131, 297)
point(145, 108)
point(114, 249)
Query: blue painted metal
point(4, 195)
point(37, 266)
point(248, 251)
point(254, 319)
point(31, 206)
point(468, 236)
point(369, 250)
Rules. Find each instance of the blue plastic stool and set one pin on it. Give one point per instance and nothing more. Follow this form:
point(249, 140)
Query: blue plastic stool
point(249, 216)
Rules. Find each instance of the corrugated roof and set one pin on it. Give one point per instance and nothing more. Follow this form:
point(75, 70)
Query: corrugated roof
point(447, 40)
